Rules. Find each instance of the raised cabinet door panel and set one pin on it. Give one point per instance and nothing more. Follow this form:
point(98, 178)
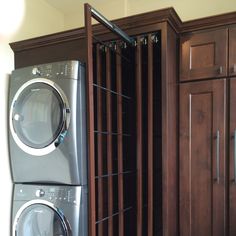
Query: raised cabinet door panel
point(232, 51)
point(203, 55)
point(232, 175)
point(202, 158)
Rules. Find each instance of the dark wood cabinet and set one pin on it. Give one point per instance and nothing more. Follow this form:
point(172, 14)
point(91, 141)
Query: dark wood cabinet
point(232, 51)
point(203, 55)
point(202, 158)
point(232, 159)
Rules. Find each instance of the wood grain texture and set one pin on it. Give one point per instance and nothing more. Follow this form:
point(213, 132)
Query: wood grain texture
point(232, 51)
point(90, 122)
point(150, 135)
point(99, 141)
point(109, 142)
point(204, 55)
point(232, 180)
point(120, 142)
point(202, 197)
point(139, 137)
point(169, 103)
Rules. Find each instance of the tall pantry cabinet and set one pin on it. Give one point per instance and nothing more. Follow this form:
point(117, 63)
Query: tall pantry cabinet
point(207, 133)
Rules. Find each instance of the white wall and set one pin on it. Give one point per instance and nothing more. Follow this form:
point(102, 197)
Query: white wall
point(186, 9)
point(39, 19)
point(112, 9)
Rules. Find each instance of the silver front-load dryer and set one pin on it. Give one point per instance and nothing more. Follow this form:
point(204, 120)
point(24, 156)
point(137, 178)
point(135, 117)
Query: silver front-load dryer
point(48, 210)
point(47, 124)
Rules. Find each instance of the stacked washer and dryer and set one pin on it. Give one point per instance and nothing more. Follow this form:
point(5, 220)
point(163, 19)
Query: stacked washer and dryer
point(48, 150)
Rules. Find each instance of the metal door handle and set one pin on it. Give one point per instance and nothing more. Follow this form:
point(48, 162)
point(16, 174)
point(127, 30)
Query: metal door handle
point(234, 68)
point(235, 156)
point(217, 156)
point(220, 69)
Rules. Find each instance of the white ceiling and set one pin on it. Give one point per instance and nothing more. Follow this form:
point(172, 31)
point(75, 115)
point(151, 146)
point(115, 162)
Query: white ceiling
point(71, 6)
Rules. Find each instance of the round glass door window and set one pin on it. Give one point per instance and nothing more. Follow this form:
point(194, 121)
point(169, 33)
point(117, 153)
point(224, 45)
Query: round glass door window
point(39, 116)
point(40, 220)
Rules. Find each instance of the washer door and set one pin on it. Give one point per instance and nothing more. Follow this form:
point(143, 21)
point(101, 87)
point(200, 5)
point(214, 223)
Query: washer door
point(39, 116)
point(40, 220)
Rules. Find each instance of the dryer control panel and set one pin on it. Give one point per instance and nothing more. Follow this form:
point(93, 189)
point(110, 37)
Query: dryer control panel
point(65, 69)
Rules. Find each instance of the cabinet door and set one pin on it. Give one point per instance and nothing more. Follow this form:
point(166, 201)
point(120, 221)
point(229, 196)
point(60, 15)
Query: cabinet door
point(203, 55)
point(232, 51)
point(232, 163)
point(202, 158)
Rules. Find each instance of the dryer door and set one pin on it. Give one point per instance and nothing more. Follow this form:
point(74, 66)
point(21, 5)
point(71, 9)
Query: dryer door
point(39, 116)
point(40, 220)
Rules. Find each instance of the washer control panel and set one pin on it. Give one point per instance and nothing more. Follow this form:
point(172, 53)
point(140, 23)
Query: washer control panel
point(55, 194)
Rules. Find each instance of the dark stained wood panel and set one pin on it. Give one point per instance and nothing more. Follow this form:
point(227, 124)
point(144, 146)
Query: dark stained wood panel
point(204, 55)
point(99, 141)
point(232, 51)
point(202, 155)
point(169, 138)
point(150, 136)
point(139, 137)
point(109, 142)
point(120, 142)
point(90, 123)
point(232, 160)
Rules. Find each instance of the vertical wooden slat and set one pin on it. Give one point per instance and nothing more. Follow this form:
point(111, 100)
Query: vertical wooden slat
point(120, 142)
point(99, 141)
point(139, 137)
point(109, 143)
point(150, 136)
point(90, 121)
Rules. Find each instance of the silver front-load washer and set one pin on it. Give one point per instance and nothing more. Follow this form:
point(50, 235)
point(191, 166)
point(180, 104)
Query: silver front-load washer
point(48, 210)
point(47, 124)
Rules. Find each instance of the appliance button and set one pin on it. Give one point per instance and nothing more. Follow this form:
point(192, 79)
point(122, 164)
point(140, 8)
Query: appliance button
point(39, 193)
point(36, 71)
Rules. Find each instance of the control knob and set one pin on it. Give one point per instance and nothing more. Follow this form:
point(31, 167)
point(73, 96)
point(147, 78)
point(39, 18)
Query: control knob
point(39, 193)
point(36, 71)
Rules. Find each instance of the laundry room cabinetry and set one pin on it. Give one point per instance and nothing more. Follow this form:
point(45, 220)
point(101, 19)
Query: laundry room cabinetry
point(203, 55)
point(207, 170)
point(207, 132)
point(208, 54)
point(203, 158)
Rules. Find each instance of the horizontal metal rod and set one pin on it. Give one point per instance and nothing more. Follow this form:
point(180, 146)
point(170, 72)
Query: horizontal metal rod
point(111, 91)
point(115, 214)
point(111, 133)
point(115, 174)
point(100, 18)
